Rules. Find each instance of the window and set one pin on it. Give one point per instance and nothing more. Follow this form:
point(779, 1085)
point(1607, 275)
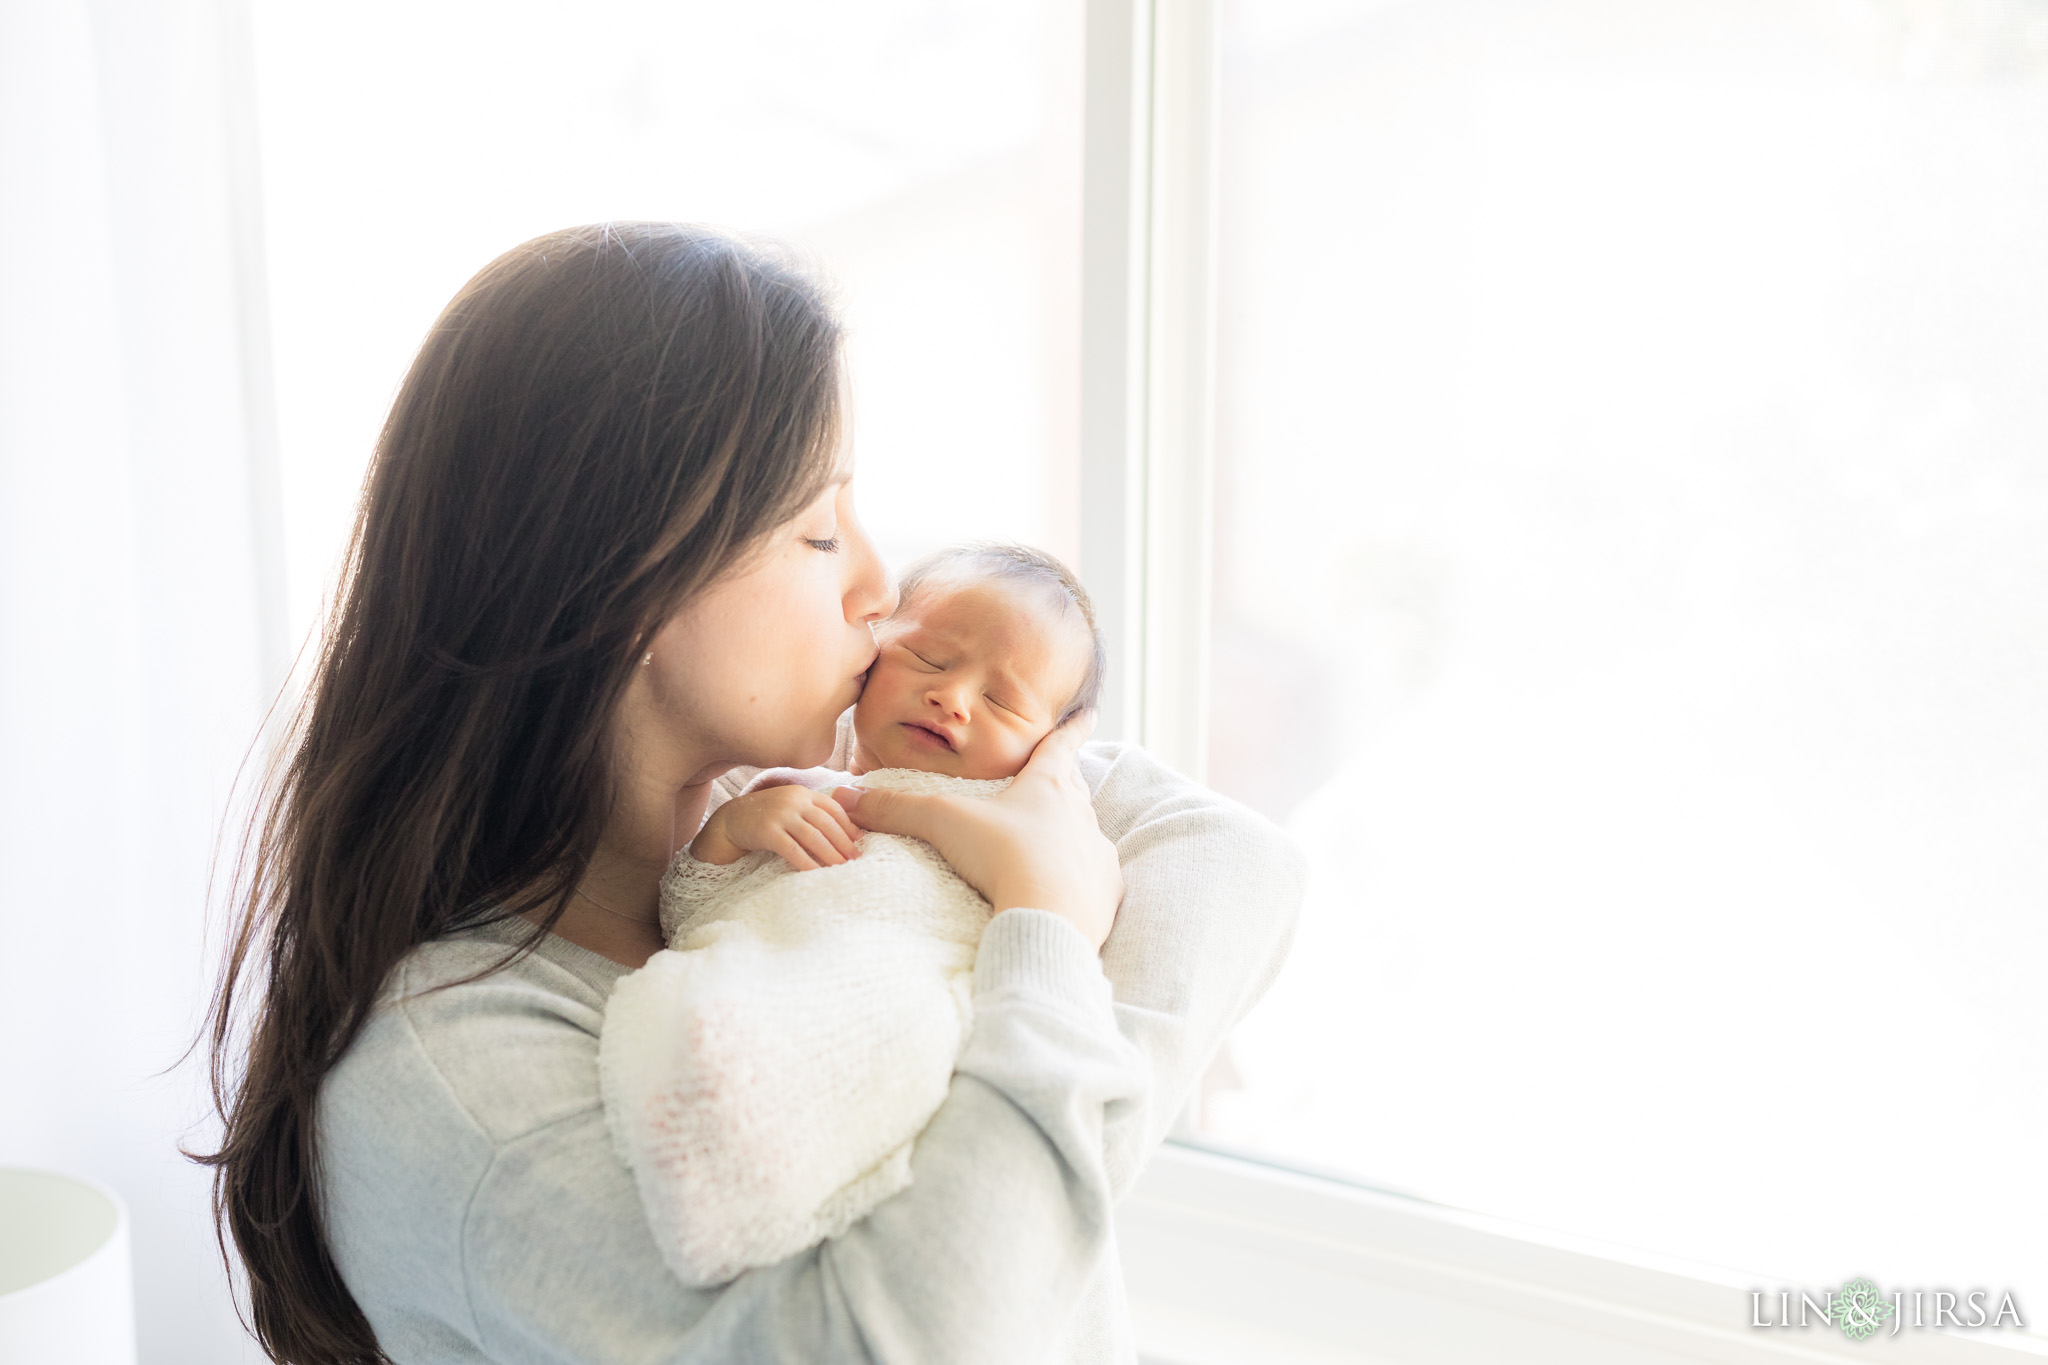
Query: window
point(1630, 586)
point(925, 155)
point(1575, 463)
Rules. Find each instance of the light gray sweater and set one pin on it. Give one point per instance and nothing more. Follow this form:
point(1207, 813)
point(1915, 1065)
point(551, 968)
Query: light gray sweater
point(478, 1212)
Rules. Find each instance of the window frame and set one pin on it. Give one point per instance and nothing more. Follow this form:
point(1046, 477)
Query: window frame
point(1229, 1258)
point(1148, 328)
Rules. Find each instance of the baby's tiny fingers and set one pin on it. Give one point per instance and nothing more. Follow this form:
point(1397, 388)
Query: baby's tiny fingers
point(838, 815)
point(834, 835)
point(815, 843)
point(792, 853)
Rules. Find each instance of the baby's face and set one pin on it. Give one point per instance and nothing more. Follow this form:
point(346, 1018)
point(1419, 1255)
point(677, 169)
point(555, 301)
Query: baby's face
point(971, 675)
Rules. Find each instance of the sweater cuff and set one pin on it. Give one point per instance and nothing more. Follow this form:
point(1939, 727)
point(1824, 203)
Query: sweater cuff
point(1038, 952)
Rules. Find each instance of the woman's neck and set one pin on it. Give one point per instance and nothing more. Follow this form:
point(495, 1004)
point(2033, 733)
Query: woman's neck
point(616, 910)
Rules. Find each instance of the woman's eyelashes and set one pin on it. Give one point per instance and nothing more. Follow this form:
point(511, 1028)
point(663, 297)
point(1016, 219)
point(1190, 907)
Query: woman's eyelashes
point(830, 545)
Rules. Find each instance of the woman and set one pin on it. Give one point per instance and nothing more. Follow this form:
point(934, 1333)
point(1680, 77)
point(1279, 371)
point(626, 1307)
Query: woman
point(606, 563)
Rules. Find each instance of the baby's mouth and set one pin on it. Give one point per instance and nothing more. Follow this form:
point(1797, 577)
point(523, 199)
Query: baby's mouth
point(931, 735)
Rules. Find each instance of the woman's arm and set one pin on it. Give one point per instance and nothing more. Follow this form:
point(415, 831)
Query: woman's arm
point(1212, 895)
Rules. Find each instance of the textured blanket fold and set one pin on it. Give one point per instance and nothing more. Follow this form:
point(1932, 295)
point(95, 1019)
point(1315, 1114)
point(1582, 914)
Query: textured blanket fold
point(765, 1077)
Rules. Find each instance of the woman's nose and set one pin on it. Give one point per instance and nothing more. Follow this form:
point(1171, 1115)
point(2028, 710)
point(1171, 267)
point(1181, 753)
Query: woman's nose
point(870, 593)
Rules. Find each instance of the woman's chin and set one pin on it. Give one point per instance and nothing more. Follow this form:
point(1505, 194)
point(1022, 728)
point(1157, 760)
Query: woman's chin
point(811, 756)
point(811, 749)
point(816, 750)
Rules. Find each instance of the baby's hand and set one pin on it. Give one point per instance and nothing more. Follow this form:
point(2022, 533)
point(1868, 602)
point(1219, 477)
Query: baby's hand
point(808, 829)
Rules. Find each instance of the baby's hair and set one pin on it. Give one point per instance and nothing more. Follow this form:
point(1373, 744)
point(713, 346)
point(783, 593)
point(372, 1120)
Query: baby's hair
point(1009, 562)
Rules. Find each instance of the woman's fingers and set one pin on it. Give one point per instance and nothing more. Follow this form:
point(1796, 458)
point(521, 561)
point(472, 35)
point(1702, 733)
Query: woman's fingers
point(1056, 754)
point(839, 815)
point(1037, 844)
point(892, 812)
point(827, 823)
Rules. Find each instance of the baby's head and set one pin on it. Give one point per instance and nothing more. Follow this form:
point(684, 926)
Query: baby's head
point(990, 648)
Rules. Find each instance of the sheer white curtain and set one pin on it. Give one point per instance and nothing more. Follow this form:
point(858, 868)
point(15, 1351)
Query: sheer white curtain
point(139, 623)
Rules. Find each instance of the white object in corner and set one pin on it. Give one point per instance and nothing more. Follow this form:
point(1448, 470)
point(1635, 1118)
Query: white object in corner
point(67, 1292)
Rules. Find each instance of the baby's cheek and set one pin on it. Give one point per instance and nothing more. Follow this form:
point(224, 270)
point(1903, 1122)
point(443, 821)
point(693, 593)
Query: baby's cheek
point(1027, 743)
point(864, 714)
point(881, 686)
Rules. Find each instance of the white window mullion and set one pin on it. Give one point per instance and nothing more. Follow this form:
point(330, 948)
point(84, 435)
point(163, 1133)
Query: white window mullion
point(1180, 381)
point(1115, 288)
point(1148, 359)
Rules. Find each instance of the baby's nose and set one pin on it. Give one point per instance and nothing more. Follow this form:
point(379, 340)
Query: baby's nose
point(951, 700)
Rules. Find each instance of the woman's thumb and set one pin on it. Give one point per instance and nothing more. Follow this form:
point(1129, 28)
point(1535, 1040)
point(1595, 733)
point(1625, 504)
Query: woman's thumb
point(888, 812)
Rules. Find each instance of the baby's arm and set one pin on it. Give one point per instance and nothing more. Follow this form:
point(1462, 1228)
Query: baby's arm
point(806, 829)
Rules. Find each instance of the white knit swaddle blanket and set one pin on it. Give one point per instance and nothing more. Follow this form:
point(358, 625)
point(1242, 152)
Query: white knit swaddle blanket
point(766, 1076)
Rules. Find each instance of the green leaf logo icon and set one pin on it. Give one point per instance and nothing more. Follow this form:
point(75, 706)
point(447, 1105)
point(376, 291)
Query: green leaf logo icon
point(1860, 1309)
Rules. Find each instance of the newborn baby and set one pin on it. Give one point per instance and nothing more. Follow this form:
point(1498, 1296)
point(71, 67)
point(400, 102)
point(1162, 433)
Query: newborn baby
point(766, 1078)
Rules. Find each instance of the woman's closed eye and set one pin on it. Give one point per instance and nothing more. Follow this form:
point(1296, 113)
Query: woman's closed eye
point(830, 545)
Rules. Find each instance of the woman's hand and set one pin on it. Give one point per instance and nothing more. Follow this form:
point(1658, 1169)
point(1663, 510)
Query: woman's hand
point(1035, 844)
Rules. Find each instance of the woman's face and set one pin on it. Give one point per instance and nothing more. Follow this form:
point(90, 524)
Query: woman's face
point(757, 669)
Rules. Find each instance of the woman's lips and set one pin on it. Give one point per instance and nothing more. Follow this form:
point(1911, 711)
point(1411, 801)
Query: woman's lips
point(860, 679)
point(925, 735)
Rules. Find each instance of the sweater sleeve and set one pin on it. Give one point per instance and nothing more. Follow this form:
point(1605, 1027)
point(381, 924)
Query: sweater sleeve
point(983, 1258)
point(1212, 895)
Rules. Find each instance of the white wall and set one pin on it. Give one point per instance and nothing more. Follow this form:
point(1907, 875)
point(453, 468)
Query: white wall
point(133, 657)
point(143, 555)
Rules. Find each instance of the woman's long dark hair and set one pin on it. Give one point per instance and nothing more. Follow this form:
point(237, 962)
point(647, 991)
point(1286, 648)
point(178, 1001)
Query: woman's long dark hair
point(601, 422)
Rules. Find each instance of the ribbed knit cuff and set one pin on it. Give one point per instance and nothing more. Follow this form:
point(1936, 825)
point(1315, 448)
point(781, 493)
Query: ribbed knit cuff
point(1038, 952)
